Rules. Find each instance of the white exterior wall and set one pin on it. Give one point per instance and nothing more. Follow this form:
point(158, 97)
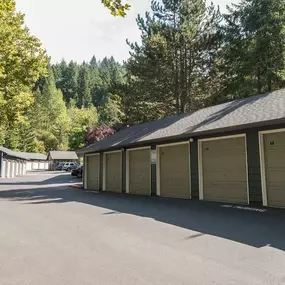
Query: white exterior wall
point(3, 169)
point(17, 168)
point(8, 169)
point(29, 165)
point(35, 165)
point(21, 168)
point(12, 171)
point(12, 167)
point(24, 167)
point(41, 165)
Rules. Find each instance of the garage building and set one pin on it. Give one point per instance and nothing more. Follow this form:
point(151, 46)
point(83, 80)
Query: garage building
point(56, 156)
point(232, 153)
point(35, 161)
point(12, 163)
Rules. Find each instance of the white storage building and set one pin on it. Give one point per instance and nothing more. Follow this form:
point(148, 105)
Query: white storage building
point(14, 163)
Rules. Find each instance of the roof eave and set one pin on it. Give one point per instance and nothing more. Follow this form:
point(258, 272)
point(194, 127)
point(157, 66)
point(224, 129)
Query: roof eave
point(189, 135)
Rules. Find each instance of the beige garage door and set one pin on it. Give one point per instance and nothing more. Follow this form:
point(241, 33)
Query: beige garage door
point(224, 170)
point(274, 154)
point(93, 167)
point(174, 167)
point(113, 173)
point(139, 172)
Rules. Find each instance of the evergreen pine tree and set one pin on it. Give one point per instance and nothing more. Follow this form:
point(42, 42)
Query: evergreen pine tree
point(175, 64)
point(84, 88)
point(254, 50)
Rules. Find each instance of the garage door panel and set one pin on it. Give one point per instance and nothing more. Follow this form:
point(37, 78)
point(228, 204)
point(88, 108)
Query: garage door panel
point(224, 170)
point(93, 166)
point(114, 172)
point(174, 171)
point(277, 197)
point(225, 176)
point(223, 146)
point(139, 172)
point(274, 162)
point(221, 160)
point(225, 197)
point(274, 155)
point(275, 175)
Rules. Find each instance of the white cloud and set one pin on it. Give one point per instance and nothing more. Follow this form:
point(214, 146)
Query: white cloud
point(78, 29)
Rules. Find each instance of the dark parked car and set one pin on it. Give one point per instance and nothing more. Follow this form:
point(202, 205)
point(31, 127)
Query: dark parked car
point(77, 172)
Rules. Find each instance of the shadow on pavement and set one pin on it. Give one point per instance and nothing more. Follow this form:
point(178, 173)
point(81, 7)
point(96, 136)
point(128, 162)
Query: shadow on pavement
point(50, 178)
point(254, 228)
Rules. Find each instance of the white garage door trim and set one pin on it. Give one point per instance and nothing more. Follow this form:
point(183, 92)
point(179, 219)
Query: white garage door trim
point(200, 162)
point(128, 167)
point(158, 165)
point(86, 171)
point(262, 162)
point(104, 165)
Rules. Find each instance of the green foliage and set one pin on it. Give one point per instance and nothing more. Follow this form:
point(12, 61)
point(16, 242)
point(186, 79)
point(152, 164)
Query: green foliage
point(111, 112)
point(254, 47)
point(174, 66)
point(189, 57)
point(83, 117)
point(51, 124)
point(90, 83)
point(22, 62)
point(76, 138)
point(84, 87)
point(81, 120)
point(116, 7)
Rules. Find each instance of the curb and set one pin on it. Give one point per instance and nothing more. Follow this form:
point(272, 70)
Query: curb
point(78, 186)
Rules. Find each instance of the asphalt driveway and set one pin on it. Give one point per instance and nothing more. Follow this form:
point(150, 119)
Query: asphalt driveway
point(54, 234)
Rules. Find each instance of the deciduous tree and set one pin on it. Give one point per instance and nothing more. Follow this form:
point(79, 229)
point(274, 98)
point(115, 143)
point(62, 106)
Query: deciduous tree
point(22, 62)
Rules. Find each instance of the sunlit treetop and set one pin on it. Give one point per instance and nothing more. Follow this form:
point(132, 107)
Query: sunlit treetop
point(117, 7)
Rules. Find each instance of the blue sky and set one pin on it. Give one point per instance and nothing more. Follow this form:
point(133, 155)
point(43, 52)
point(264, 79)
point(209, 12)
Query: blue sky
point(78, 29)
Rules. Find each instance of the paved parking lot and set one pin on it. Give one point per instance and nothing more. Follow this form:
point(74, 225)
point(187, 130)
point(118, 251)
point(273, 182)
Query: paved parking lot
point(53, 234)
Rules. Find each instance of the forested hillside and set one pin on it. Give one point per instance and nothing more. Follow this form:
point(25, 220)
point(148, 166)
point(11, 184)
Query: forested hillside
point(68, 100)
point(190, 56)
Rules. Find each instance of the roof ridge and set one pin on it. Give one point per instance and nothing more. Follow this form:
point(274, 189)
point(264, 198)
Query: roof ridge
point(257, 110)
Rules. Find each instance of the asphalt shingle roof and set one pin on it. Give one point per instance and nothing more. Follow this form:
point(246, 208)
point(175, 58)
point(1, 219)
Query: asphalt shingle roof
point(257, 110)
point(33, 155)
point(23, 155)
point(63, 155)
